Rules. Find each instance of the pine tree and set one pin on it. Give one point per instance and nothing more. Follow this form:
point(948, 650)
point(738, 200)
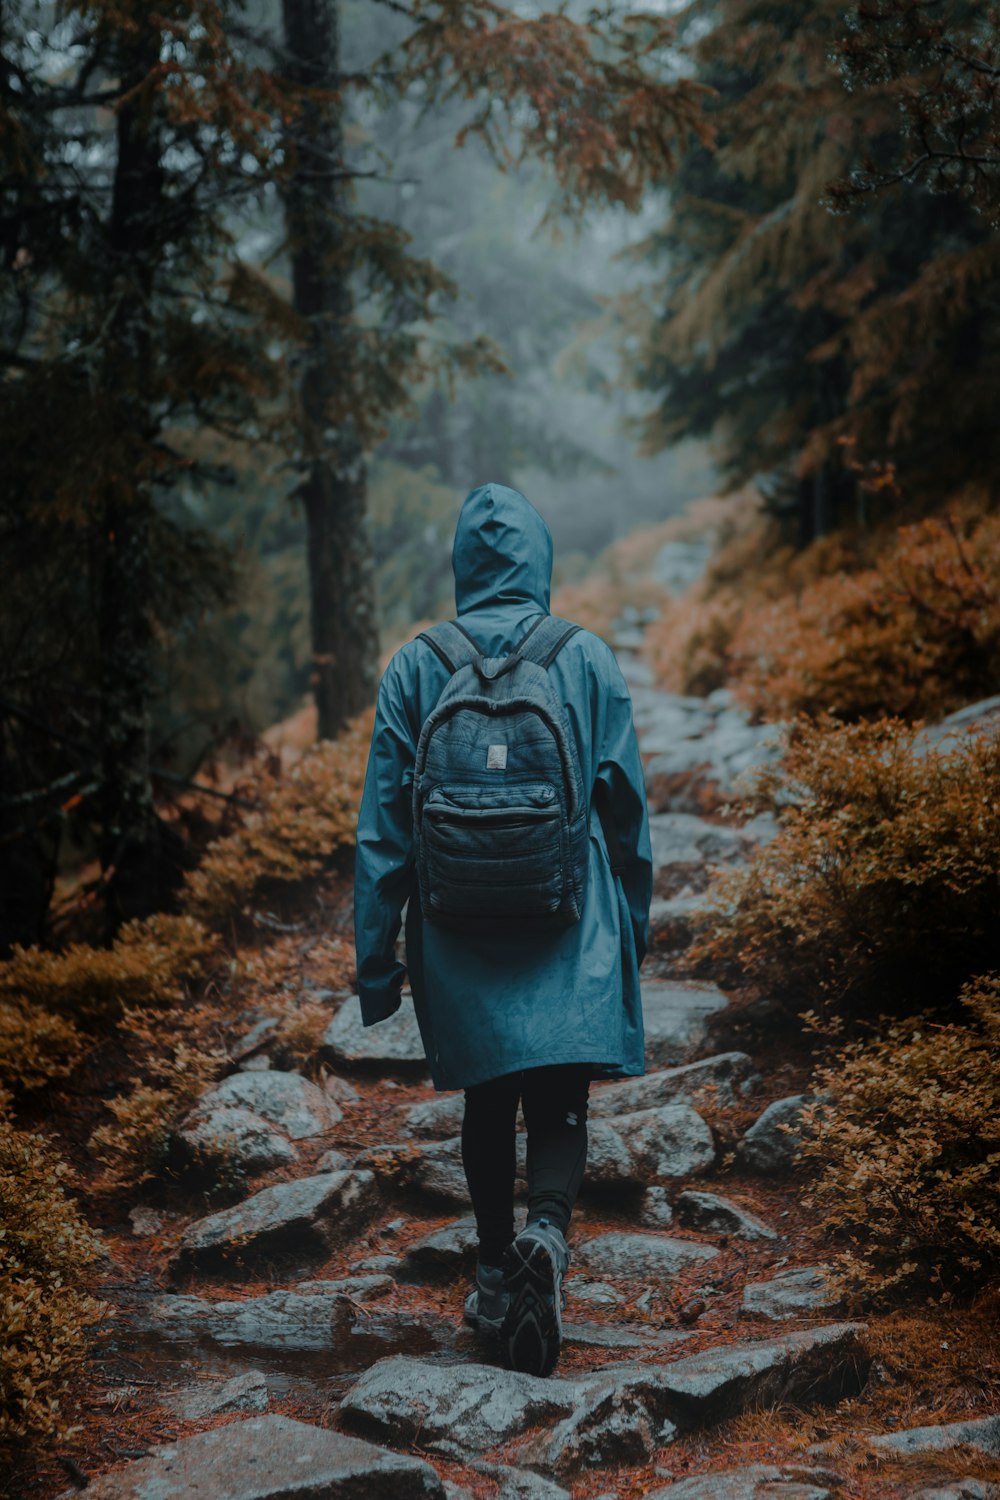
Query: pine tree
point(789, 329)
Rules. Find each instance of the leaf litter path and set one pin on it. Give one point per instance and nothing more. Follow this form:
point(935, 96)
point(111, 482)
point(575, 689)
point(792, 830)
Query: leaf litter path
point(306, 1339)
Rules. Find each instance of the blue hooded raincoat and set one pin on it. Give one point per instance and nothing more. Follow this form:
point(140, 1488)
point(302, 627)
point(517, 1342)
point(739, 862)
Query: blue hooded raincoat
point(485, 1004)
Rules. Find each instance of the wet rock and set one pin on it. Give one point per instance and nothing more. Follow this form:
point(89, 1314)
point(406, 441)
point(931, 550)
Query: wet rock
point(721, 1080)
point(306, 1217)
point(244, 1393)
point(627, 1150)
point(626, 1410)
point(713, 1214)
point(392, 1044)
point(521, 1484)
point(233, 1136)
point(981, 1433)
point(433, 1169)
point(756, 1482)
point(287, 1100)
point(390, 1265)
point(641, 1256)
point(655, 1211)
point(446, 1252)
point(800, 1290)
point(435, 1118)
point(674, 1017)
point(813, 1364)
point(306, 1318)
point(269, 1458)
point(768, 1147)
point(452, 1409)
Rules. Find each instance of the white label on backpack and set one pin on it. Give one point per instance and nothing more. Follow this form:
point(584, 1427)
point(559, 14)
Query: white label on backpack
point(496, 758)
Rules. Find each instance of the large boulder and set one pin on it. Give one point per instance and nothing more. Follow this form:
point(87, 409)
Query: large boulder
point(770, 1145)
point(454, 1409)
point(231, 1137)
point(303, 1219)
point(269, 1458)
point(646, 1146)
point(287, 1100)
point(721, 1080)
point(392, 1045)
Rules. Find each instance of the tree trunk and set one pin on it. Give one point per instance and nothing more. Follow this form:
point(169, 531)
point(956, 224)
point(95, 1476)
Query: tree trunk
point(333, 490)
point(130, 831)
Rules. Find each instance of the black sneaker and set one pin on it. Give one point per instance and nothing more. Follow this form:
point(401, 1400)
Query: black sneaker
point(534, 1266)
point(487, 1304)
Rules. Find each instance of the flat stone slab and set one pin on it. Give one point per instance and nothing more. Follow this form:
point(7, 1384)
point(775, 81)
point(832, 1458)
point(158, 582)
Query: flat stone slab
point(756, 1482)
point(674, 1015)
point(634, 1149)
point(305, 1217)
point(307, 1318)
point(287, 1100)
point(803, 1289)
point(392, 1044)
point(770, 1145)
point(721, 1080)
point(452, 1409)
point(713, 1214)
point(269, 1458)
point(981, 1433)
point(645, 1256)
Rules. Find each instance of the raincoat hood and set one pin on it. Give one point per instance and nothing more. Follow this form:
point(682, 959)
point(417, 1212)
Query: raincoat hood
point(502, 552)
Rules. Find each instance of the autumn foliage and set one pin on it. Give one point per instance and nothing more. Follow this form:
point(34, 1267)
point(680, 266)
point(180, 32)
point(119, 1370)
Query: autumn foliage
point(882, 888)
point(916, 636)
point(904, 1139)
point(47, 1313)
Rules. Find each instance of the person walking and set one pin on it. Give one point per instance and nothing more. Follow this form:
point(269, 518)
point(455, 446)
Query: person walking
point(513, 827)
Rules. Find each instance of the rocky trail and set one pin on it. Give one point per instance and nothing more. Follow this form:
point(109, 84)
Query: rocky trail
point(305, 1342)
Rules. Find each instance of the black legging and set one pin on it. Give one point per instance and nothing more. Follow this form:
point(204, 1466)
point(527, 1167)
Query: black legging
point(554, 1099)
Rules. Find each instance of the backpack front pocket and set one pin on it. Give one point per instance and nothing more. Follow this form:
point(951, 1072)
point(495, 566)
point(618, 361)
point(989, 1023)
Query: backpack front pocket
point(493, 851)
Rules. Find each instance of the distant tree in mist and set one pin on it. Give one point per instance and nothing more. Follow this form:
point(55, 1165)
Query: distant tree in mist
point(786, 326)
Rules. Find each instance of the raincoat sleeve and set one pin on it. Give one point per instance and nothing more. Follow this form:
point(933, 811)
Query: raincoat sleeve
point(384, 863)
point(616, 756)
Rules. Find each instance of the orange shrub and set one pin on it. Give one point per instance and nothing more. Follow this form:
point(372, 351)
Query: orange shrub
point(883, 885)
point(915, 636)
point(46, 1312)
point(905, 1141)
point(305, 817)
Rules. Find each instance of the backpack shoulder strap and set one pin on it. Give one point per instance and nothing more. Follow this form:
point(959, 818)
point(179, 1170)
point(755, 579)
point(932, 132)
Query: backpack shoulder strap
point(546, 639)
point(451, 643)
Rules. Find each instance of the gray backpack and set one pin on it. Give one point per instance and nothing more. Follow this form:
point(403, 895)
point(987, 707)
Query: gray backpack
point(500, 813)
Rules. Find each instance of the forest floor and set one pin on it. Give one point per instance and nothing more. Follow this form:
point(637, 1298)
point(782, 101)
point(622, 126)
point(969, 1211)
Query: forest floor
point(696, 1365)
